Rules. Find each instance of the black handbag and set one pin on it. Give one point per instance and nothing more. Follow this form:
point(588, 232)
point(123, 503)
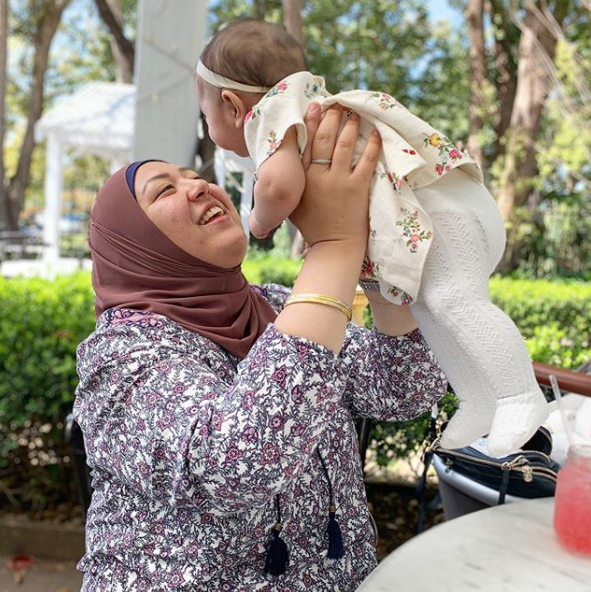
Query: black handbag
point(528, 473)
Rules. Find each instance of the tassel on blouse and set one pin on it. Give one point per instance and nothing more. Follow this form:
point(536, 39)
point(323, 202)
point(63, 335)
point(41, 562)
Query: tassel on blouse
point(336, 548)
point(277, 553)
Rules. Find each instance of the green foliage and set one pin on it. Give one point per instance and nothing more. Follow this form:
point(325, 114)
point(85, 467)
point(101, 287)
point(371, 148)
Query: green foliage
point(38, 339)
point(390, 45)
point(261, 267)
point(41, 324)
point(554, 239)
point(553, 316)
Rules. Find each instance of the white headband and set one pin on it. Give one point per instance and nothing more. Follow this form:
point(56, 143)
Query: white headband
point(223, 82)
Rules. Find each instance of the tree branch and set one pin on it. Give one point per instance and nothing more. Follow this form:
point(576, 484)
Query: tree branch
point(115, 27)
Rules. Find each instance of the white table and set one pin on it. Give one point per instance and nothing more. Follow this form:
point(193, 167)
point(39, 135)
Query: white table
point(508, 548)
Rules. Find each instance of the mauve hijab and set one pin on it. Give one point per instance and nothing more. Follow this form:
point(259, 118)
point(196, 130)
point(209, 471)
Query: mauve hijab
point(137, 266)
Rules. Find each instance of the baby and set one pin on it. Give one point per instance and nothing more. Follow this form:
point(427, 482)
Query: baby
point(436, 234)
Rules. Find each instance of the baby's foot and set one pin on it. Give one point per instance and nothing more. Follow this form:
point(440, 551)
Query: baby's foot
point(471, 421)
point(515, 421)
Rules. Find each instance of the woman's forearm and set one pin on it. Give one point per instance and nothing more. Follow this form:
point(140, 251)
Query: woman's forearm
point(330, 269)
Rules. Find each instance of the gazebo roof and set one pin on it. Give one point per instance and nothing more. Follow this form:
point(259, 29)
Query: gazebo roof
point(98, 119)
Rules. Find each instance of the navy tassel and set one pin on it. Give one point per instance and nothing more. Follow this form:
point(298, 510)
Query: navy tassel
point(277, 554)
point(336, 550)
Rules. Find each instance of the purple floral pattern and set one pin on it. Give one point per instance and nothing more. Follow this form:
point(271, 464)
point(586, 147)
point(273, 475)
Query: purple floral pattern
point(189, 446)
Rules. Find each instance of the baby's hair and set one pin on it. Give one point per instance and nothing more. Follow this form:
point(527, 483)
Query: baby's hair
point(254, 52)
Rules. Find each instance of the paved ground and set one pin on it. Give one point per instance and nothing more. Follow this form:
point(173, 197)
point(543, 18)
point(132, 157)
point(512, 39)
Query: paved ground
point(43, 576)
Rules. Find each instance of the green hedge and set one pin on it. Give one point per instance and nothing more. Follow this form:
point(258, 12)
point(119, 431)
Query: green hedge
point(42, 322)
point(553, 316)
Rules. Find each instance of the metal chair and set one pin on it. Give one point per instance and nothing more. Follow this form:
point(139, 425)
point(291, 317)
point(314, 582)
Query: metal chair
point(75, 440)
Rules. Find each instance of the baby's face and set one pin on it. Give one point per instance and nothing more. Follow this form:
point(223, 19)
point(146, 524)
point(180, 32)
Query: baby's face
point(224, 129)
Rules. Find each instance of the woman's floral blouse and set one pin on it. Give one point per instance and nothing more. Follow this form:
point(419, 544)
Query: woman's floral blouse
point(414, 155)
point(189, 446)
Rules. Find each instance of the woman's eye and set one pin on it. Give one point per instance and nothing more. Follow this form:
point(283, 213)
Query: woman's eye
point(164, 190)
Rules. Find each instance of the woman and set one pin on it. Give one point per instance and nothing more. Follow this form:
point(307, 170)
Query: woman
point(218, 416)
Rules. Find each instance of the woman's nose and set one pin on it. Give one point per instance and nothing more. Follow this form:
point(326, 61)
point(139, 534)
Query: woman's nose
point(197, 188)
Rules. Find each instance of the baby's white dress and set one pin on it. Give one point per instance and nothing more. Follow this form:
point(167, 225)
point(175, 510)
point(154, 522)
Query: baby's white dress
point(436, 235)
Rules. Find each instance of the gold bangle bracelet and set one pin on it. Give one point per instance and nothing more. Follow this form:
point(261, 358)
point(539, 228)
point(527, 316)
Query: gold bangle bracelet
point(320, 299)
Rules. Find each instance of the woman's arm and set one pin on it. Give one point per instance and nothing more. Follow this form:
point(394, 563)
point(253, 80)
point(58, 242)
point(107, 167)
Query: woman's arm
point(393, 374)
point(279, 187)
point(333, 219)
point(390, 378)
point(170, 425)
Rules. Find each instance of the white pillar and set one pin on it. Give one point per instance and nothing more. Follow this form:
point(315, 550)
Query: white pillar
point(171, 35)
point(53, 197)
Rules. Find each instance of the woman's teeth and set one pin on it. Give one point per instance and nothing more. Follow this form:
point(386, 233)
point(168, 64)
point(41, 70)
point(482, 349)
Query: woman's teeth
point(213, 211)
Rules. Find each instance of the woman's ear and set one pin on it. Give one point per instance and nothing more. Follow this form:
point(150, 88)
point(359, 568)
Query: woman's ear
point(236, 106)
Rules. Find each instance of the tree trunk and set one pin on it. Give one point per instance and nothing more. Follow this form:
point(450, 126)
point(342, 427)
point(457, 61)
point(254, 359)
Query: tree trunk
point(3, 73)
point(259, 10)
point(506, 39)
point(123, 49)
point(537, 44)
point(48, 19)
point(292, 20)
point(478, 77)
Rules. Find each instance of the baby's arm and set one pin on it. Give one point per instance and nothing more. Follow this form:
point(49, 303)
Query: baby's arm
point(279, 187)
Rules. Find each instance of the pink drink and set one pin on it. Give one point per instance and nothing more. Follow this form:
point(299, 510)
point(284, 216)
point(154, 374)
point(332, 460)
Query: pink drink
point(572, 510)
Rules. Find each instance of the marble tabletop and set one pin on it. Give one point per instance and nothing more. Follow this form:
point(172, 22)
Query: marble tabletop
point(508, 548)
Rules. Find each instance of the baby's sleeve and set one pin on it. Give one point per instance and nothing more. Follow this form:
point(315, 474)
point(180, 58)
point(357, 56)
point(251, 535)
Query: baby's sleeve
point(281, 108)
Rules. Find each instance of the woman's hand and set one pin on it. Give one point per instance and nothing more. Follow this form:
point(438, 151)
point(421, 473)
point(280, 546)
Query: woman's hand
point(335, 203)
point(334, 220)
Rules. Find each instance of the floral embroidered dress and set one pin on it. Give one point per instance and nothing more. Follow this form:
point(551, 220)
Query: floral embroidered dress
point(190, 449)
point(414, 155)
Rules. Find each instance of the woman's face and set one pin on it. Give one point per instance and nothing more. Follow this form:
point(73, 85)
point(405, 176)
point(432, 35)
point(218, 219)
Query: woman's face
point(197, 216)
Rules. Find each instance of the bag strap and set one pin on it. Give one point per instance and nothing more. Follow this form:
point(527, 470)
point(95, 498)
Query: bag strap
point(431, 441)
point(504, 484)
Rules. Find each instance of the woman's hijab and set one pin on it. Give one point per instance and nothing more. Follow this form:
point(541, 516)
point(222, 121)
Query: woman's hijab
point(136, 266)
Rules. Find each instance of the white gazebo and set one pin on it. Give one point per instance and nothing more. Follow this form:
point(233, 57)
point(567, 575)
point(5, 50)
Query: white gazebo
point(157, 117)
point(99, 119)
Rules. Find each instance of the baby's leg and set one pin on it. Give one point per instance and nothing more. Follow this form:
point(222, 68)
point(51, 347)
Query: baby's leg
point(477, 345)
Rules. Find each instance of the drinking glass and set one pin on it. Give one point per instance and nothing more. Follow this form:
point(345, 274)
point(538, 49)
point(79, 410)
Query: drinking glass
point(572, 508)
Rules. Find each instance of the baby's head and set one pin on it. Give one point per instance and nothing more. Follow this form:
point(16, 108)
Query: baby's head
point(250, 52)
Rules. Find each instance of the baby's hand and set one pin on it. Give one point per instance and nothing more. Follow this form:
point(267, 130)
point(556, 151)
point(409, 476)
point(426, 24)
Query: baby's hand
point(256, 228)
